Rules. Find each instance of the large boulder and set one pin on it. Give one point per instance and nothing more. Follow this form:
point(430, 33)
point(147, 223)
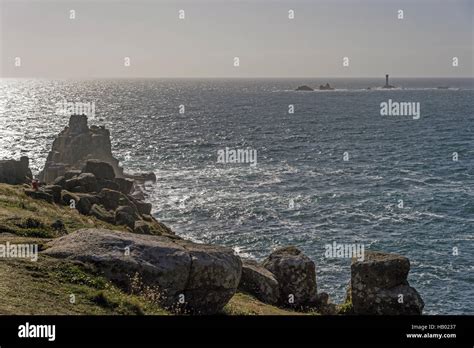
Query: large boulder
point(101, 213)
point(15, 172)
point(85, 203)
point(124, 185)
point(259, 282)
point(125, 215)
point(196, 278)
point(296, 276)
point(100, 169)
point(108, 184)
point(111, 199)
point(142, 207)
point(141, 227)
point(85, 182)
point(379, 286)
point(55, 191)
point(40, 195)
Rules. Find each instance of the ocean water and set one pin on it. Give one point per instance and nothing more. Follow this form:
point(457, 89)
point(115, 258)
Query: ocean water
point(301, 192)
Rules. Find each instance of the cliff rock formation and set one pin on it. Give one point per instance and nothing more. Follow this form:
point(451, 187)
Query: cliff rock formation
point(76, 144)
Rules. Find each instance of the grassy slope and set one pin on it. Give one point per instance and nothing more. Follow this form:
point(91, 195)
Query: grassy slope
point(45, 286)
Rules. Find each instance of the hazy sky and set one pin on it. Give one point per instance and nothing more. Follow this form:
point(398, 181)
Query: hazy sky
point(259, 32)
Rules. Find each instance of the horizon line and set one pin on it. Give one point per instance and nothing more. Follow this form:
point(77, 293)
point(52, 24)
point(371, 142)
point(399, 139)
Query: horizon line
point(228, 77)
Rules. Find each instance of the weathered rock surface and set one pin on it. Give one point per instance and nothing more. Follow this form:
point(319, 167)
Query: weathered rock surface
point(100, 169)
point(76, 144)
point(204, 277)
point(259, 282)
point(296, 276)
point(15, 172)
point(41, 195)
point(379, 286)
point(55, 191)
point(124, 185)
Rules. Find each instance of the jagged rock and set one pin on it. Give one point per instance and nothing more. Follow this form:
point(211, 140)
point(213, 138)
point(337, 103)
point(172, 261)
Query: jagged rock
point(111, 199)
point(259, 282)
point(124, 185)
point(125, 215)
point(74, 146)
point(67, 197)
point(15, 172)
point(78, 124)
point(296, 276)
point(88, 181)
point(85, 182)
point(326, 87)
point(324, 306)
point(60, 181)
point(71, 174)
point(379, 286)
point(108, 184)
point(41, 195)
point(55, 191)
point(141, 227)
point(102, 214)
point(160, 228)
point(143, 208)
point(304, 88)
point(204, 276)
point(85, 203)
point(100, 169)
point(138, 193)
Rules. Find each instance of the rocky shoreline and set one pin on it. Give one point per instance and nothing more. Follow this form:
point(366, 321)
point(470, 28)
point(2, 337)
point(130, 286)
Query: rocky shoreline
point(185, 277)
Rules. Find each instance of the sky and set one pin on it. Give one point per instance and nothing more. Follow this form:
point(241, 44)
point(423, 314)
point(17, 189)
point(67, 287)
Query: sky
point(97, 42)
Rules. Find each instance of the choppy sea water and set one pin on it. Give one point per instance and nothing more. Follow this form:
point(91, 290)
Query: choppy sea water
point(301, 192)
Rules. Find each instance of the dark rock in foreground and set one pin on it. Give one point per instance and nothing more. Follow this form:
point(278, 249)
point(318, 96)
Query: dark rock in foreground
point(296, 276)
point(15, 172)
point(196, 278)
point(379, 286)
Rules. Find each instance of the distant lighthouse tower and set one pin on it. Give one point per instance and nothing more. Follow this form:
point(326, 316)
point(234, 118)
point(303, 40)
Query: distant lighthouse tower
point(386, 83)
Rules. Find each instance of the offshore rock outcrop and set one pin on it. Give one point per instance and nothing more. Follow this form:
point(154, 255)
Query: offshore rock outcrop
point(326, 87)
point(304, 88)
point(76, 144)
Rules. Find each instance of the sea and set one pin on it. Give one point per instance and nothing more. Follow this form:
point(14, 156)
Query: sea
point(330, 166)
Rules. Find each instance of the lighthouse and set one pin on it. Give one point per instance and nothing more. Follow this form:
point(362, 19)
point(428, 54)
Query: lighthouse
point(386, 82)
